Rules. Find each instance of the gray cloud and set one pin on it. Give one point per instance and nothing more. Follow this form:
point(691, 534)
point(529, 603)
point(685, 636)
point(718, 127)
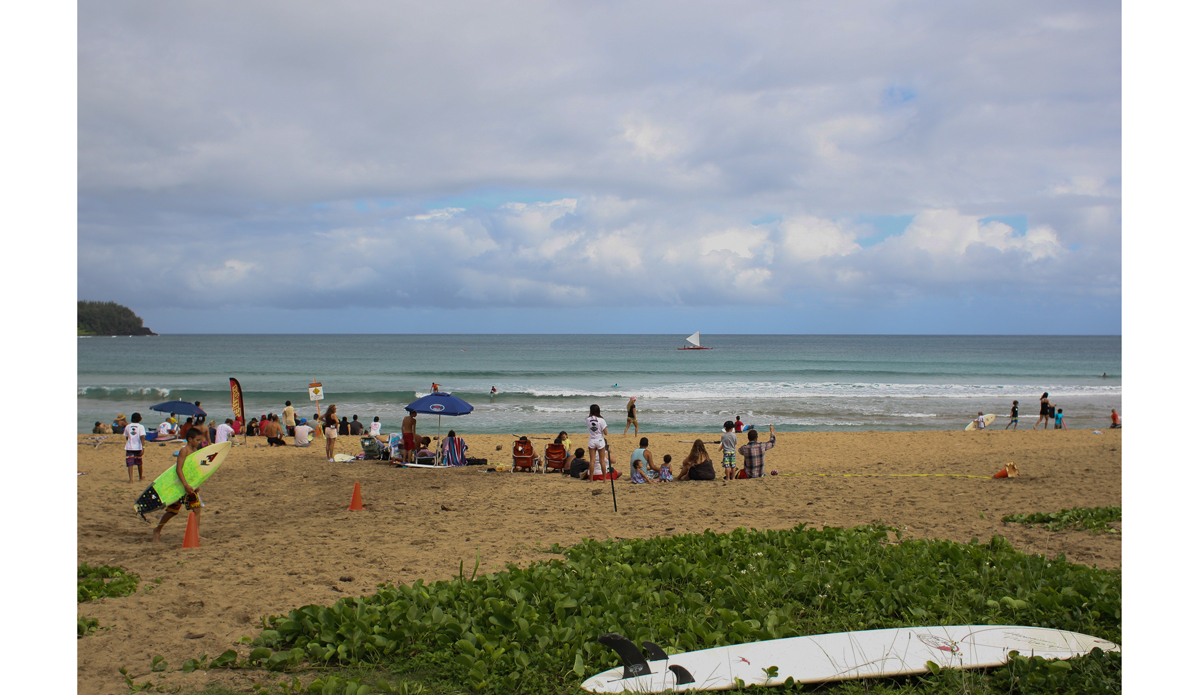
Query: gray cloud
point(294, 152)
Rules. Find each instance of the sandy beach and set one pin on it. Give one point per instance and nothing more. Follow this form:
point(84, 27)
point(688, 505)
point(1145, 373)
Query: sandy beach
point(277, 534)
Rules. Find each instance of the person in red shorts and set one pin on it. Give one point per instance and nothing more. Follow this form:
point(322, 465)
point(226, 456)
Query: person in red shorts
point(195, 442)
point(409, 428)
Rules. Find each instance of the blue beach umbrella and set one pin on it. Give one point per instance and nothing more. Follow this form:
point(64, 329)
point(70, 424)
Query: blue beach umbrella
point(180, 407)
point(440, 404)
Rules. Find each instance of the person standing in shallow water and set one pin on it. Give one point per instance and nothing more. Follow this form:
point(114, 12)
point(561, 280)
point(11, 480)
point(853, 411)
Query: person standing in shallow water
point(1044, 411)
point(631, 416)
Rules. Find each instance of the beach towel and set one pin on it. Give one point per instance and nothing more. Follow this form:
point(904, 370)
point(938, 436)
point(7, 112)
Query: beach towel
point(454, 451)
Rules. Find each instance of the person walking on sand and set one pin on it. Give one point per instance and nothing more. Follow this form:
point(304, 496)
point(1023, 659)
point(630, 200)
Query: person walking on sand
point(408, 430)
point(1012, 419)
point(330, 423)
point(195, 438)
point(135, 441)
point(631, 416)
point(1058, 421)
point(1044, 412)
point(980, 423)
point(1116, 420)
point(597, 430)
point(755, 453)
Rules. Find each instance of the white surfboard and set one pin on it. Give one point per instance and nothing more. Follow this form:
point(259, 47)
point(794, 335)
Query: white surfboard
point(834, 657)
point(987, 421)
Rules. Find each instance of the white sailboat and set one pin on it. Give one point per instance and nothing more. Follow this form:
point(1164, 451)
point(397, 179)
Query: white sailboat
point(694, 343)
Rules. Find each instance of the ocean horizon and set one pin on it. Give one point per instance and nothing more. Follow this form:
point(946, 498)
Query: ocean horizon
point(546, 382)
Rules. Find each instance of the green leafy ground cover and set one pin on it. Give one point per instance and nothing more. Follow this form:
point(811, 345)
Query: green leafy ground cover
point(533, 629)
point(100, 582)
point(1095, 519)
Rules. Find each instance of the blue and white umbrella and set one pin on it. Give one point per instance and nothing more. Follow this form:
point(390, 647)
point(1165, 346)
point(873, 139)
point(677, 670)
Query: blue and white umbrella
point(440, 404)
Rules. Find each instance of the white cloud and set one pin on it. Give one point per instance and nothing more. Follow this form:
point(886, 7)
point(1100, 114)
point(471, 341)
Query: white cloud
point(742, 242)
point(440, 214)
point(650, 141)
point(947, 233)
point(808, 238)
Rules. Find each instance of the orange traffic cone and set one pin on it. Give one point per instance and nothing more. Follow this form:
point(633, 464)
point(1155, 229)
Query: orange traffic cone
point(191, 536)
point(356, 499)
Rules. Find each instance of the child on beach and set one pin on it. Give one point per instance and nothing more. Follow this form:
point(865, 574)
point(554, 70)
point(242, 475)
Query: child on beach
point(1012, 422)
point(376, 427)
point(1058, 420)
point(979, 423)
point(664, 471)
point(195, 440)
point(729, 450)
point(1116, 420)
point(135, 439)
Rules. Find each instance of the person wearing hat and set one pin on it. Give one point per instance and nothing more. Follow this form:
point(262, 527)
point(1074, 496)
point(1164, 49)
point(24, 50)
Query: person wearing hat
point(631, 416)
point(301, 431)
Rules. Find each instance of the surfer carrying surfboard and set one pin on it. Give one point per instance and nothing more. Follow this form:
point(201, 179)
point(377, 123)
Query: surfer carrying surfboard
point(195, 440)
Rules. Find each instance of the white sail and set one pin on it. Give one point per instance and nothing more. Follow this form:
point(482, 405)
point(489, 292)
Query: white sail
point(694, 339)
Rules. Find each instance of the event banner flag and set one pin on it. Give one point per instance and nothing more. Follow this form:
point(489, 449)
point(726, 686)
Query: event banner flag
point(235, 397)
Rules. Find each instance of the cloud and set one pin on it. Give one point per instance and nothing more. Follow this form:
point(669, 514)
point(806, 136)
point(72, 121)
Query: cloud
point(533, 155)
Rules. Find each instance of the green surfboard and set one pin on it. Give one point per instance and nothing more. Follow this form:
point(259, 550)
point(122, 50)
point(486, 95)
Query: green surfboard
point(166, 488)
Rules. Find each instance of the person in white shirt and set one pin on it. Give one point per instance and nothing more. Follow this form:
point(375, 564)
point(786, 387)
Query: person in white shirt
point(376, 427)
point(224, 431)
point(165, 430)
point(302, 431)
point(597, 430)
point(135, 438)
point(979, 423)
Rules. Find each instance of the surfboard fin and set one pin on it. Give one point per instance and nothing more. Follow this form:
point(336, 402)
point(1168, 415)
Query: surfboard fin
point(682, 677)
point(654, 652)
point(635, 664)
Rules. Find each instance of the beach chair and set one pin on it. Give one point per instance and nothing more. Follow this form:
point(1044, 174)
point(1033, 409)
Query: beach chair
point(453, 452)
point(396, 446)
point(373, 449)
point(524, 456)
point(554, 457)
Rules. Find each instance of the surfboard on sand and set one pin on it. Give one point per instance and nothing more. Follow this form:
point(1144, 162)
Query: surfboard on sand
point(166, 488)
point(833, 657)
point(987, 421)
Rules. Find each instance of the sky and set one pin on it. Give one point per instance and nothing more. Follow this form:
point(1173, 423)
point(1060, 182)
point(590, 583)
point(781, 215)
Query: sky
point(617, 167)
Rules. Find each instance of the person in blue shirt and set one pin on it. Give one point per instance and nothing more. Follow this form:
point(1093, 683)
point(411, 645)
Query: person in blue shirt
point(1058, 421)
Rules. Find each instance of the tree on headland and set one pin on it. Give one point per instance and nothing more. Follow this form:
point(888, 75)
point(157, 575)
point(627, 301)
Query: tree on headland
point(109, 318)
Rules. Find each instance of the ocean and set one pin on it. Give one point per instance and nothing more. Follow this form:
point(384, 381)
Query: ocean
point(547, 382)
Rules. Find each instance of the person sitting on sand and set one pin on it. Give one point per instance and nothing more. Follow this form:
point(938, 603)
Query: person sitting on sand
point(637, 471)
point(425, 451)
point(645, 460)
point(302, 431)
point(566, 439)
point(252, 427)
point(454, 450)
point(356, 427)
point(664, 469)
point(118, 426)
point(344, 427)
point(274, 432)
point(166, 429)
point(579, 465)
point(1116, 420)
point(697, 465)
point(755, 453)
point(376, 427)
point(191, 496)
point(102, 428)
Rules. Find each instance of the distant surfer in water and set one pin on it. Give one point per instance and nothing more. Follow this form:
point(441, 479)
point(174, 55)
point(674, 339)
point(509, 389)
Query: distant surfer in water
point(195, 438)
point(493, 390)
point(433, 388)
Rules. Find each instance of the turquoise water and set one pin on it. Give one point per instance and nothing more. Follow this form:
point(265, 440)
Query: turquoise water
point(546, 382)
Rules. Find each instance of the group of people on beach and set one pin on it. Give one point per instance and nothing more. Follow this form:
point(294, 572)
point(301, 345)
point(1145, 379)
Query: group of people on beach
point(1047, 413)
point(697, 465)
